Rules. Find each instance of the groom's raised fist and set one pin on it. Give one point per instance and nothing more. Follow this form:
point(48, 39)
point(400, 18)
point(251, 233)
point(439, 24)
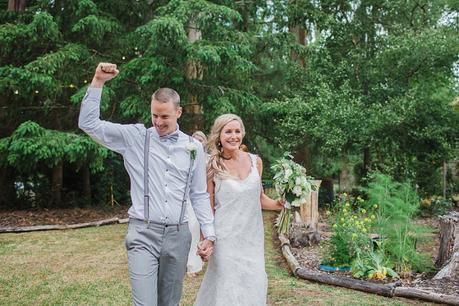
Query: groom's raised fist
point(104, 72)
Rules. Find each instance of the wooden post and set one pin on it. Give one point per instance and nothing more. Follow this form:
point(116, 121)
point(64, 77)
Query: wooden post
point(445, 170)
point(309, 211)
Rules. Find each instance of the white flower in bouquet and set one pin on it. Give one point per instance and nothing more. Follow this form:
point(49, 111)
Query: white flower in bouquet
point(299, 181)
point(297, 191)
point(288, 173)
point(292, 184)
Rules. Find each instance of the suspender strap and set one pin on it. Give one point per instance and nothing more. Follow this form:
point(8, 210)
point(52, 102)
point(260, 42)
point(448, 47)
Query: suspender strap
point(146, 196)
point(187, 187)
point(146, 193)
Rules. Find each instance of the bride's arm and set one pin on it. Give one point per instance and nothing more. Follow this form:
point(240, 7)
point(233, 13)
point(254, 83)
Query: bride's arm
point(266, 202)
point(211, 191)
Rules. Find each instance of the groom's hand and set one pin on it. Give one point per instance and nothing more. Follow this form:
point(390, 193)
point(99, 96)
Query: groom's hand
point(104, 72)
point(205, 249)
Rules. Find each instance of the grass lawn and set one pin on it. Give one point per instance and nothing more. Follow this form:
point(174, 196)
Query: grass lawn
point(88, 267)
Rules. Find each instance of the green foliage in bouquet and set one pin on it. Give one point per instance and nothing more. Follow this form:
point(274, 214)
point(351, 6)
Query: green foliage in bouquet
point(292, 184)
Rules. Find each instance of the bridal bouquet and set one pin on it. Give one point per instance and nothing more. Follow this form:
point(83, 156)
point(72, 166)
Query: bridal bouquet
point(292, 184)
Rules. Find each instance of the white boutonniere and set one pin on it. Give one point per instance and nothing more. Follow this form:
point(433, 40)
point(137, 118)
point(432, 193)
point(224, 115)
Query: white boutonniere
point(192, 149)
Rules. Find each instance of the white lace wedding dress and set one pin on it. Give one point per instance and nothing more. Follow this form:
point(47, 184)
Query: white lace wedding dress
point(236, 271)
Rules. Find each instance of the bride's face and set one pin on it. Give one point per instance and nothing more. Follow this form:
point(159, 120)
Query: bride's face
point(231, 136)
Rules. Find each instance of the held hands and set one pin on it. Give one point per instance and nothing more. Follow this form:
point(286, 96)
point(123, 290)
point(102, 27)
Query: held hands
point(205, 249)
point(104, 72)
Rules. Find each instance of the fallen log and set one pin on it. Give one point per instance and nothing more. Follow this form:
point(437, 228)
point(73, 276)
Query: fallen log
point(351, 283)
point(288, 255)
point(408, 292)
point(57, 226)
point(388, 290)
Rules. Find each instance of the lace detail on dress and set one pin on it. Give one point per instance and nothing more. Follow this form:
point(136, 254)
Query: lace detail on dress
point(236, 271)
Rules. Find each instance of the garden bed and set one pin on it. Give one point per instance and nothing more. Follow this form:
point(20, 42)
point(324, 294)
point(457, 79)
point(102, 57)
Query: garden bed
point(422, 284)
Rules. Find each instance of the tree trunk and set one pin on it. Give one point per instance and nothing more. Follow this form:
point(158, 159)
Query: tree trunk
point(8, 192)
point(300, 37)
point(448, 254)
point(16, 5)
point(346, 178)
point(366, 161)
point(86, 176)
point(328, 192)
point(57, 180)
point(194, 71)
point(303, 156)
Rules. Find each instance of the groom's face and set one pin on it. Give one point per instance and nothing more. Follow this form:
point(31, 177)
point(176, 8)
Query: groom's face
point(164, 116)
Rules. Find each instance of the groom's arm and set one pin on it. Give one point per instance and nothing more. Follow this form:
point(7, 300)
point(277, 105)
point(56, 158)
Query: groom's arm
point(116, 137)
point(199, 196)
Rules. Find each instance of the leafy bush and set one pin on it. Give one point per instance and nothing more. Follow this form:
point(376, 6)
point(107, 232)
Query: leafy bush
point(435, 206)
point(398, 204)
point(350, 230)
point(378, 236)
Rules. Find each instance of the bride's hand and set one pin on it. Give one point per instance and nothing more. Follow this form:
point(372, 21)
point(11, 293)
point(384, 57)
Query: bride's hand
point(281, 202)
point(205, 249)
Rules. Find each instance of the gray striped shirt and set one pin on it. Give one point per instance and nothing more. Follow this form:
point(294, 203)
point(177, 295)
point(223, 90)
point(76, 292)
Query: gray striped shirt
point(168, 166)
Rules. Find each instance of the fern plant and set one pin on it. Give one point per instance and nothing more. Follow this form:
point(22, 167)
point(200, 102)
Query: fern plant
point(397, 205)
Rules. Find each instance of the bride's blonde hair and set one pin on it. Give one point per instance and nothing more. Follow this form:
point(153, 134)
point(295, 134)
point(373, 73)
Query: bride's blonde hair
point(215, 166)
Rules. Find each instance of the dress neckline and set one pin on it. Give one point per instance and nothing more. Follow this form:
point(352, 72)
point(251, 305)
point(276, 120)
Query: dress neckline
point(236, 178)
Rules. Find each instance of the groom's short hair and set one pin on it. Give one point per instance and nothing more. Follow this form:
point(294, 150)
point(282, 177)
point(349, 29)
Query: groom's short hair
point(166, 95)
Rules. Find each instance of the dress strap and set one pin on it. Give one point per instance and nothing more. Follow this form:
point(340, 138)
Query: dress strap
point(253, 158)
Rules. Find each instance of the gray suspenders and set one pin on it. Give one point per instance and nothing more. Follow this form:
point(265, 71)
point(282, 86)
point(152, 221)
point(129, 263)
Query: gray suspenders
point(146, 197)
point(146, 191)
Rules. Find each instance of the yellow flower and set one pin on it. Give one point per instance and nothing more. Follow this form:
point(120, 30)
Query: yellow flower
point(342, 219)
point(375, 206)
point(328, 213)
point(426, 202)
point(366, 220)
point(364, 211)
point(364, 230)
point(335, 225)
point(347, 204)
point(359, 198)
point(354, 217)
point(373, 217)
point(344, 194)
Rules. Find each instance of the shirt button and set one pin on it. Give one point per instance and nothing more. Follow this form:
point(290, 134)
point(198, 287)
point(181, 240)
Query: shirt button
point(166, 201)
point(165, 185)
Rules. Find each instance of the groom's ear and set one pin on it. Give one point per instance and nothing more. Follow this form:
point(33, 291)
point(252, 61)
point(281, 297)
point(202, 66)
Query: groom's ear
point(179, 112)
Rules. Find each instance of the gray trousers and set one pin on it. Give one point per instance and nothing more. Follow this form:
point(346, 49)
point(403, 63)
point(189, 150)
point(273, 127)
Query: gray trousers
point(157, 257)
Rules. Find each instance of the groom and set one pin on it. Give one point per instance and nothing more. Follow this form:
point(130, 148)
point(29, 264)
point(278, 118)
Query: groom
point(166, 170)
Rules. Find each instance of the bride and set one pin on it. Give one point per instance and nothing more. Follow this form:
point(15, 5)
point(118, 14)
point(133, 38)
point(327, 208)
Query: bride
point(236, 271)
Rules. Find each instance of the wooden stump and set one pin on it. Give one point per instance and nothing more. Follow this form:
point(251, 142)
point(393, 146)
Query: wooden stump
point(309, 211)
point(305, 222)
point(448, 254)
